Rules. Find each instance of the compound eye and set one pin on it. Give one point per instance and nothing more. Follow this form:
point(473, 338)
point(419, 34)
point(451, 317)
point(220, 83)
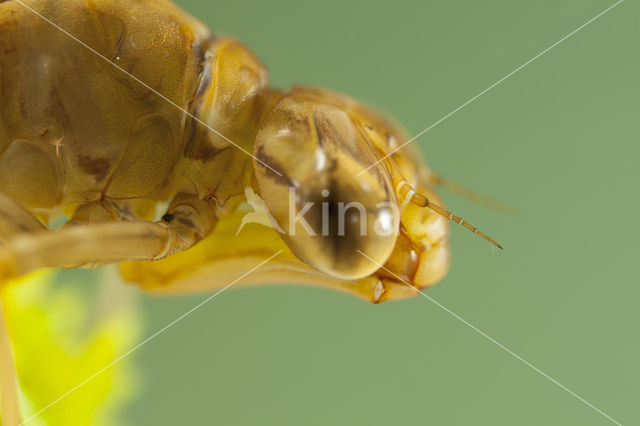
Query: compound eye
point(328, 214)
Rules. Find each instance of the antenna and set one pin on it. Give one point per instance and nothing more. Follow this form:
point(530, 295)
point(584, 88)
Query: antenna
point(472, 195)
point(408, 193)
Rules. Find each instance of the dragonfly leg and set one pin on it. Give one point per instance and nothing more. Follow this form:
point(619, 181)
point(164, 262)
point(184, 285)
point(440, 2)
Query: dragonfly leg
point(186, 222)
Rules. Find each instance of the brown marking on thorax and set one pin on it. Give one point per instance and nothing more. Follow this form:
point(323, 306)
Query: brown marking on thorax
point(97, 167)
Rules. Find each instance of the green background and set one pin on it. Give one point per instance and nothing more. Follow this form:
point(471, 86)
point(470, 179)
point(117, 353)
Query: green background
point(558, 140)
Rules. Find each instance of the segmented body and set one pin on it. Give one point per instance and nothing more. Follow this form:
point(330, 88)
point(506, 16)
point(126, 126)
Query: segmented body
point(74, 129)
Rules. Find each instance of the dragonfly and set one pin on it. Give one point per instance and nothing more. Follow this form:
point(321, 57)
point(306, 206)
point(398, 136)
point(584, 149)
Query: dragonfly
point(165, 149)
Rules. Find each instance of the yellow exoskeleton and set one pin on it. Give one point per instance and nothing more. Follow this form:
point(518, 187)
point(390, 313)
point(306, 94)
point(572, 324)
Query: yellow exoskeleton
point(114, 110)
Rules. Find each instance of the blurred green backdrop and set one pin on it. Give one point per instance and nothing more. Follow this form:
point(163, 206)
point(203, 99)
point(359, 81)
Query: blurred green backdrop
point(559, 140)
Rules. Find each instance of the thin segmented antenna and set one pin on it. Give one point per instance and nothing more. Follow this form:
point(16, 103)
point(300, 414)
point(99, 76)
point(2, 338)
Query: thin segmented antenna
point(472, 195)
point(409, 194)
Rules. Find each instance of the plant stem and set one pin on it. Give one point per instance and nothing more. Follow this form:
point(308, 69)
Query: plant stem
point(8, 377)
